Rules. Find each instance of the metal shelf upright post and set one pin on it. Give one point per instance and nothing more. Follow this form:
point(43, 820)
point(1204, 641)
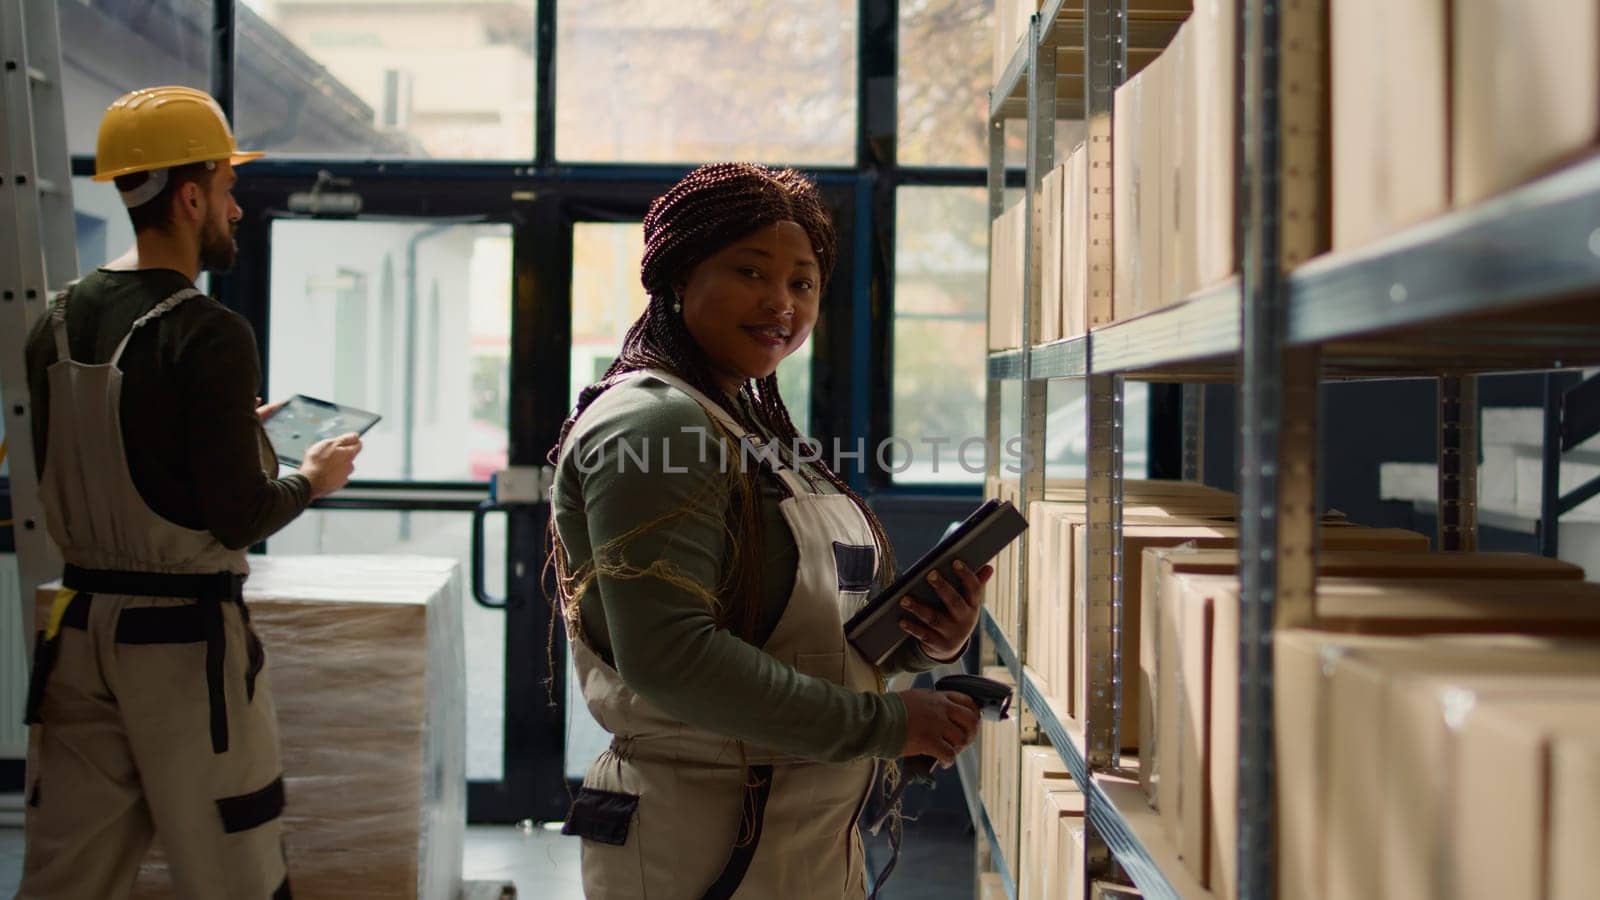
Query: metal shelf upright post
point(1281, 163)
point(1105, 67)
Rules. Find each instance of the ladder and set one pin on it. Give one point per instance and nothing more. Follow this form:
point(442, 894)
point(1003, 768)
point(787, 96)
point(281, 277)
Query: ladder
point(38, 252)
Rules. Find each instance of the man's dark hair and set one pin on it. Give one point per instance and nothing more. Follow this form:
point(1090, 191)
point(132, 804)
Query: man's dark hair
point(156, 213)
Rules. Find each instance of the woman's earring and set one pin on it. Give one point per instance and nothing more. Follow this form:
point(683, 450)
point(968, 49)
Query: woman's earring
point(677, 306)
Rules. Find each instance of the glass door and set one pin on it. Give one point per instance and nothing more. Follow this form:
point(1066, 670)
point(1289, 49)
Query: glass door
point(410, 320)
point(436, 324)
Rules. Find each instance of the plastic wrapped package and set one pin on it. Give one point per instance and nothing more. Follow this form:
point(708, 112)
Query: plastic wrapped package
point(366, 661)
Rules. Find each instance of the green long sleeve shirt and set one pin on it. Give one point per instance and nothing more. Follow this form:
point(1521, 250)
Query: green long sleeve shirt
point(662, 638)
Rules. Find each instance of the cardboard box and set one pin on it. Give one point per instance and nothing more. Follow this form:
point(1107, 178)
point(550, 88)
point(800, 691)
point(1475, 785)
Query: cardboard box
point(1150, 284)
point(1044, 776)
point(1143, 557)
point(1069, 857)
point(1075, 312)
point(368, 675)
point(1052, 224)
point(1390, 109)
point(1064, 854)
point(997, 282)
point(1176, 255)
point(1305, 665)
point(1212, 93)
point(1525, 83)
point(1499, 814)
point(999, 761)
point(991, 887)
point(1128, 186)
point(1391, 750)
point(1574, 867)
point(1203, 687)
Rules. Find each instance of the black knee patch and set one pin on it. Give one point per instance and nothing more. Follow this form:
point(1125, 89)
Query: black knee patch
point(248, 811)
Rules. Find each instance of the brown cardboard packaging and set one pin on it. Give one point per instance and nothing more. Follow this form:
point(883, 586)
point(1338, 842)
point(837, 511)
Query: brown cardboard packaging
point(367, 672)
point(998, 272)
point(1307, 727)
point(1051, 225)
point(1574, 867)
point(1075, 245)
point(1152, 181)
point(1525, 90)
point(1044, 775)
point(1498, 820)
point(991, 887)
point(1187, 742)
point(1064, 856)
point(999, 763)
point(1127, 187)
point(1390, 748)
point(1390, 105)
point(1212, 96)
point(1068, 857)
point(1143, 558)
point(1177, 256)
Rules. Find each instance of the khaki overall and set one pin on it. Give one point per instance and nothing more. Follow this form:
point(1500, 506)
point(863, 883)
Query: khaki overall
point(661, 809)
point(151, 708)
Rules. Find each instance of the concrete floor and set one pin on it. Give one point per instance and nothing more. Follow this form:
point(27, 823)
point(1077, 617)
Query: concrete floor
point(936, 863)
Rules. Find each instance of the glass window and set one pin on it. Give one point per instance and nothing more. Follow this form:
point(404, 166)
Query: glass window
point(110, 47)
point(1065, 444)
point(693, 80)
point(944, 85)
point(101, 221)
point(440, 381)
point(940, 290)
point(370, 78)
point(441, 534)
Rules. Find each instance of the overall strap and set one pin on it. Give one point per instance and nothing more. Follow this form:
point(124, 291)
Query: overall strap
point(792, 481)
point(156, 312)
point(58, 324)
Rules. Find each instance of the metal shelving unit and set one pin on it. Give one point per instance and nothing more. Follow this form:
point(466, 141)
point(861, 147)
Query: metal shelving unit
point(1508, 285)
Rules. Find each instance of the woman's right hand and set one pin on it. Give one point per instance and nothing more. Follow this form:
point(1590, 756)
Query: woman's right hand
point(939, 724)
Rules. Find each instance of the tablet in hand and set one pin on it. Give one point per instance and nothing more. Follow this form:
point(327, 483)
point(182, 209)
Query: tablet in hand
point(302, 421)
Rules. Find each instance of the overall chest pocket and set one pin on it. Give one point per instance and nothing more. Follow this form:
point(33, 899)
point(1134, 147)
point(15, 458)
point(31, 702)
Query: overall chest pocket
point(855, 565)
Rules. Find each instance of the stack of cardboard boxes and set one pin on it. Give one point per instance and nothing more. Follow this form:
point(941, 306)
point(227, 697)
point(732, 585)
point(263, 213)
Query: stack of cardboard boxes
point(1052, 827)
point(1407, 599)
point(1173, 167)
point(1000, 775)
point(1444, 103)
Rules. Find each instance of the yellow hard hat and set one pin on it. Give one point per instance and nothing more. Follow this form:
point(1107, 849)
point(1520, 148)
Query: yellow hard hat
point(160, 127)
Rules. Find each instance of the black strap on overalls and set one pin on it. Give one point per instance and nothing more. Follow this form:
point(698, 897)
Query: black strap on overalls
point(199, 622)
point(757, 787)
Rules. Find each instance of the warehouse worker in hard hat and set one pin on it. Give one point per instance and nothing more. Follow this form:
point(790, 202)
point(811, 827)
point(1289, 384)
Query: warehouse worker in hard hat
point(152, 712)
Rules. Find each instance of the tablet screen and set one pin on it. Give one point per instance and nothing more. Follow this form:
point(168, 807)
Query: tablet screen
point(303, 421)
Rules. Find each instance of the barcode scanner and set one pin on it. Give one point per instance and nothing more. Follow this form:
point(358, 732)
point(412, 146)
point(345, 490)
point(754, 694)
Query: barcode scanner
point(994, 704)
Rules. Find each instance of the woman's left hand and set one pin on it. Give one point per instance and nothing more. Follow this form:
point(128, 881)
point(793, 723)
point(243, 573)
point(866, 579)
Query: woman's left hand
point(265, 412)
point(944, 633)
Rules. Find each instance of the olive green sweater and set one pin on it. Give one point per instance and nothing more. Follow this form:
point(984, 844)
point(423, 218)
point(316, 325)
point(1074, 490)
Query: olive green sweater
point(663, 639)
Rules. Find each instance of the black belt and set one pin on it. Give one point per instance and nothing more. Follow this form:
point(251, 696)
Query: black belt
point(196, 623)
point(757, 788)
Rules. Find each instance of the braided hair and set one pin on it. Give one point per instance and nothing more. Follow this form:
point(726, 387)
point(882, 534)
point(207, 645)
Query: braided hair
point(712, 207)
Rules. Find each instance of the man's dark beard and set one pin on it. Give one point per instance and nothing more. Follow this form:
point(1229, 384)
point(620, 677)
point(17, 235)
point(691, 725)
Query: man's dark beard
point(217, 250)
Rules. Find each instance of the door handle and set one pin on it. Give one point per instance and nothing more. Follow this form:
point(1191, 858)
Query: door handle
point(517, 488)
